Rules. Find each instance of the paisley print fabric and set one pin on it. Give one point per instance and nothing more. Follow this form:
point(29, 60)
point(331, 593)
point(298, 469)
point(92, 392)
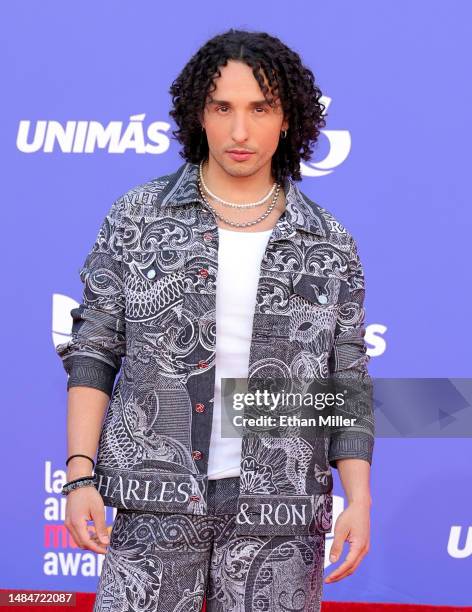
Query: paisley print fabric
point(169, 562)
point(145, 334)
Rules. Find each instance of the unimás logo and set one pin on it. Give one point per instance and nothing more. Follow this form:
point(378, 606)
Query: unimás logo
point(88, 136)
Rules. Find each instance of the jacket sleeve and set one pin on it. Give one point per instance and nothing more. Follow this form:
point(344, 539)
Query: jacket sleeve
point(92, 356)
point(348, 369)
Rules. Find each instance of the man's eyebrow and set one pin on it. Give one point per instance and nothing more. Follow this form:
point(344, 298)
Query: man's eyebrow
point(226, 103)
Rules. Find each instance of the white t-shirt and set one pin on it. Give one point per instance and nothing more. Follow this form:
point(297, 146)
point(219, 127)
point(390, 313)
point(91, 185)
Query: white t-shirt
point(239, 260)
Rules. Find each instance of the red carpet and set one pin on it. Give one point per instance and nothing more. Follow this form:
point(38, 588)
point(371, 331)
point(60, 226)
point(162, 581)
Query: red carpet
point(85, 604)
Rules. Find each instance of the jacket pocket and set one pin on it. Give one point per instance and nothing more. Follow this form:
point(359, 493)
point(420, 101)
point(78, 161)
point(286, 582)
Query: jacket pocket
point(322, 291)
point(314, 309)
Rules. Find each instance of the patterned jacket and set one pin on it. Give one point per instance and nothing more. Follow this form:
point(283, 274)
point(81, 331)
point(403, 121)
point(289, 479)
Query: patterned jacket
point(148, 314)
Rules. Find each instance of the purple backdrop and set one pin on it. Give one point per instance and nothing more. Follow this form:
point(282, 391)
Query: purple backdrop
point(392, 165)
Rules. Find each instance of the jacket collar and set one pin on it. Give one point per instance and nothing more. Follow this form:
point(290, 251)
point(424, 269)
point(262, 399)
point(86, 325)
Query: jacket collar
point(301, 212)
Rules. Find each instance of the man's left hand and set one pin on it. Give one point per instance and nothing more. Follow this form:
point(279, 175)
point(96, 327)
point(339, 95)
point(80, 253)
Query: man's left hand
point(353, 525)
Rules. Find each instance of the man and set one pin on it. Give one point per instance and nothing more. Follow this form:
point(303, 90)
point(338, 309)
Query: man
point(222, 269)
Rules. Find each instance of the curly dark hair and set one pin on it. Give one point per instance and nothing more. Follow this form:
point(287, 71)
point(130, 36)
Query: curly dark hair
point(288, 79)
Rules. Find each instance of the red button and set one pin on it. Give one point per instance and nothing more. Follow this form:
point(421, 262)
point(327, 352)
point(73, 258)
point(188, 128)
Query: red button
point(203, 272)
point(194, 498)
point(207, 236)
point(196, 455)
point(199, 407)
point(202, 364)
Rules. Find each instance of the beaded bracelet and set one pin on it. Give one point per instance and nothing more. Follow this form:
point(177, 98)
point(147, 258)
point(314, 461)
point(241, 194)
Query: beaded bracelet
point(84, 481)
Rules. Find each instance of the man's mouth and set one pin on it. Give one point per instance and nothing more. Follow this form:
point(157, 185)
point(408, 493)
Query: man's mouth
point(239, 155)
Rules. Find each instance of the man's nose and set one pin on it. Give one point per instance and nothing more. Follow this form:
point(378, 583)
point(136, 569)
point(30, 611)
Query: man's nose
point(239, 131)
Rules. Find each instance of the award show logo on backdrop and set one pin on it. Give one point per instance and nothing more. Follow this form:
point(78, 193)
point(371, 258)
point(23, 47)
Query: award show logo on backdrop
point(62, 556)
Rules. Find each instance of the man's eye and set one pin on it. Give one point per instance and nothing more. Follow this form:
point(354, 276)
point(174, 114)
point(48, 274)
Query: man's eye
point(258, 108)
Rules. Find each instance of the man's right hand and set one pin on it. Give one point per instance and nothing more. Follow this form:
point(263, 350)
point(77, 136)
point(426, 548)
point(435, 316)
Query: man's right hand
point(82, 505)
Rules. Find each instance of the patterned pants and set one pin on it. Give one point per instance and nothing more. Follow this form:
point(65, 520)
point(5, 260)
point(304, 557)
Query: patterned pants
point(168, 562)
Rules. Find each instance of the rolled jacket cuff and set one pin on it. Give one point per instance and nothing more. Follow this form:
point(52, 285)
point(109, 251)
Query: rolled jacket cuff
point(350, 446)
point(90, 372)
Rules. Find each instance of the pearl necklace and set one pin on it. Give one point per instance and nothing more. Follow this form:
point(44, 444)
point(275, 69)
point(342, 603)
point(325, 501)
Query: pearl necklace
point(248, 223)
point(234, 204)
